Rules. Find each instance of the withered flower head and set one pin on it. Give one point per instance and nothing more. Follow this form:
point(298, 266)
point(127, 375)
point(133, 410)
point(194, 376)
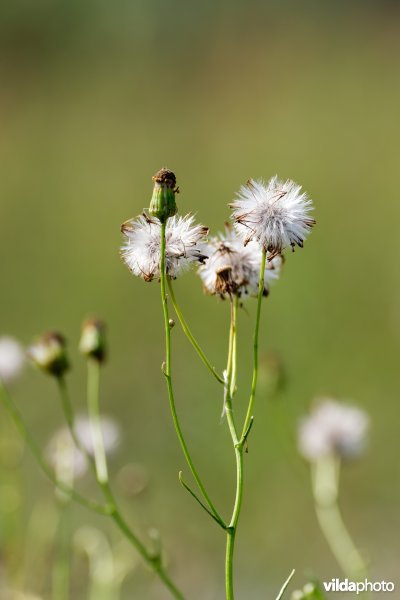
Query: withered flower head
point(234, 269)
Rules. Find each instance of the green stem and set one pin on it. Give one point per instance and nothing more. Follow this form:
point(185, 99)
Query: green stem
point(30, 442)
point(154, 561)
point(325, 479)
point(95, 421)
point(189, 334)
point(167, 374)
point(230, 385)
point(255, 344)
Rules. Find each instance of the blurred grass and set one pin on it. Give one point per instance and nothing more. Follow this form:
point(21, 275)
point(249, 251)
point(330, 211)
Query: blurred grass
point(95, 98)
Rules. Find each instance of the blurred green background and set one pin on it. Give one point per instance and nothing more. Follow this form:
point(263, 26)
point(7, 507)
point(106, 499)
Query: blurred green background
point(97, 96)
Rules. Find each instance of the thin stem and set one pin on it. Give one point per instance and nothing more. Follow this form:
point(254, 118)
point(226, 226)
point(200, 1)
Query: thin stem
point(326, 490)
point(230, 385)
point(285, 585)
point(154, 561)
point(36, 452)
point(234, 307)
point(189, 334)
point(95, 422)
point(167, 374)
point(255, 343)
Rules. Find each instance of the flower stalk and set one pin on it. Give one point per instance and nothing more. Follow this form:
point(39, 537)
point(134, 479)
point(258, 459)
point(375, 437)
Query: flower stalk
point(325, 480)
point(230, 385)
point(249, 413)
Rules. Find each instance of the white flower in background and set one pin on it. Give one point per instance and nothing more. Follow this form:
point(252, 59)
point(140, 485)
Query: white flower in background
point(333, 428)
point(142, 250)
point(275, 214)
point(12, 359)
point(109, 429)
point(233, 268)
point(67, 460)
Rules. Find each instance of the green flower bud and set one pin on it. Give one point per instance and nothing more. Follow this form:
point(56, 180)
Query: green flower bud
point(49, 354)
point(93, 340)
point(163, 203)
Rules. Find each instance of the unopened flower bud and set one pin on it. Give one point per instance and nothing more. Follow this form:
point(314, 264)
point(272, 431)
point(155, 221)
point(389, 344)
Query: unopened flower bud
point(49, 354)
point(93, 340)
point(163, 203)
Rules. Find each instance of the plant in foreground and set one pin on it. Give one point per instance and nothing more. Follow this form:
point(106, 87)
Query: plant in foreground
point(240, 263)
point(268, 218)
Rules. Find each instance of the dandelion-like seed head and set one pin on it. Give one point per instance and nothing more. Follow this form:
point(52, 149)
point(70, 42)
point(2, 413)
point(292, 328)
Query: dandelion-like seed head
point(333, 428)
point(142, 250)
point(234, 269)
point(275, 214)
point(49, 353)
point(12, 359)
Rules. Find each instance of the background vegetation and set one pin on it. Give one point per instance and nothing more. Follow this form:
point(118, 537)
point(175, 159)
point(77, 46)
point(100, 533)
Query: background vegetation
point(95, 97)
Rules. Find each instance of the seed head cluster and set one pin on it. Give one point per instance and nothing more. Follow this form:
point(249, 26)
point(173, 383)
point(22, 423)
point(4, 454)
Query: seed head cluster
point(266, 216)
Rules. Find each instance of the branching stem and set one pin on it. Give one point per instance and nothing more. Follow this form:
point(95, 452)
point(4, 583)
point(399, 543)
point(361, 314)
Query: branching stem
point(168, 378)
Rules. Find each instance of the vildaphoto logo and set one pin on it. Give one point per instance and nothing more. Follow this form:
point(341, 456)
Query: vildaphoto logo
point(346, 585)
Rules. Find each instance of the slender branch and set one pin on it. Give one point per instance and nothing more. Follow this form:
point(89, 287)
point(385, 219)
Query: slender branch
point(195, 496)
point(167, 374)
point(189, 334)
point(285, 585)
point(37, 454)
point(255, 345)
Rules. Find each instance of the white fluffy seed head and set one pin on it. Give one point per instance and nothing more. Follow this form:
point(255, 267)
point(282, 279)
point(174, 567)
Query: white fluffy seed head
point(275, 214)
point(333, 428)
point(232, 268)
point(12, 359)
point(66, 458)
point(142, 249)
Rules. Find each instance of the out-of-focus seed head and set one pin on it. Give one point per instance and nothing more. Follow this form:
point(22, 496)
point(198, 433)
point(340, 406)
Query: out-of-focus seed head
point(333, 428)
point(163, 204)
point(49, 353)
point(93, 340)
point(12, 359)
